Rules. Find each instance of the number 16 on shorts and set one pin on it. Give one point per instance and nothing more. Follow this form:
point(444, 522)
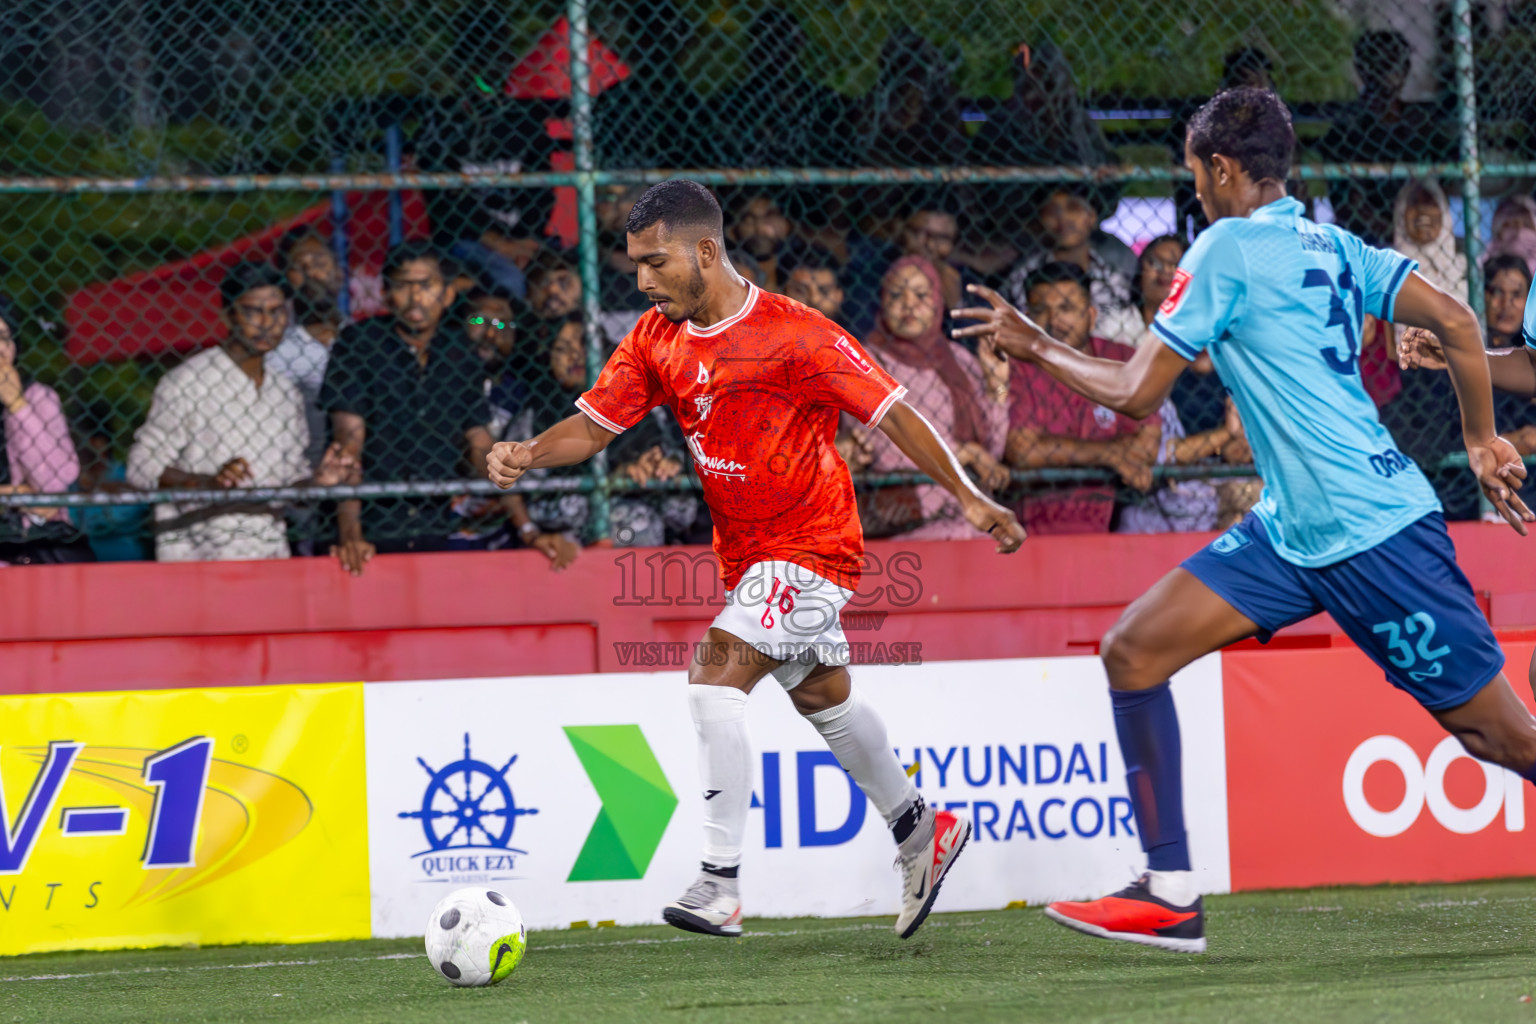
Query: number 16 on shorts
point(786, 595)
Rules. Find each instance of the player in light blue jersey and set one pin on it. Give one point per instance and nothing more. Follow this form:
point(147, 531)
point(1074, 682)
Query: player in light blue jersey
point(1347, 524)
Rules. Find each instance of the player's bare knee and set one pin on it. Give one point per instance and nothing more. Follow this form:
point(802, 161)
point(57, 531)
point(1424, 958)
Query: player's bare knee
point(1480, 746)
point(1517, 752)
point(808, 702)
point(705, 671)
point(1128, 657)
point(1508, 748)
point(824, 688)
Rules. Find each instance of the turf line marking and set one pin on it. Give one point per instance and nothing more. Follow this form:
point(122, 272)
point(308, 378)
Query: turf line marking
point(214, 967)
point(789, 933)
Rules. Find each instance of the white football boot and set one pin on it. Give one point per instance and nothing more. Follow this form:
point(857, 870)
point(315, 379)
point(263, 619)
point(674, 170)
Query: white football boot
point(711, 906)
point(925, 858)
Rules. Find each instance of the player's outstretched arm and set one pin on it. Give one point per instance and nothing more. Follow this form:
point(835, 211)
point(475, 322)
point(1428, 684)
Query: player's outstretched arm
point(918, 441)
point(1494, 460)
point(1512, 370)
point(1136, 388)
point(574, 439)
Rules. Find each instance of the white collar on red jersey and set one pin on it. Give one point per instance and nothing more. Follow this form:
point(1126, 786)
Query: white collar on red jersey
point(730, 321)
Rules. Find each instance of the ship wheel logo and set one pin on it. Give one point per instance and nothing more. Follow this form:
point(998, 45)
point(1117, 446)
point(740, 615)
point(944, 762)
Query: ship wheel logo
point(468, 805)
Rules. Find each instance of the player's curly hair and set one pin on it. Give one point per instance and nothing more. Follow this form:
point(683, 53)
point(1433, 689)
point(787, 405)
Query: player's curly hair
point(678, 204)
point(1252, 126)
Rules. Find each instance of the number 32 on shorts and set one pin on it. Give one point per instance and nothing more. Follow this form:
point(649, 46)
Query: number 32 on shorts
point(1404, 655)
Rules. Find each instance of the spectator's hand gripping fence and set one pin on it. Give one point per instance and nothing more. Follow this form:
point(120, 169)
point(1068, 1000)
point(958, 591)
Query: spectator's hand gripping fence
point(155, 151)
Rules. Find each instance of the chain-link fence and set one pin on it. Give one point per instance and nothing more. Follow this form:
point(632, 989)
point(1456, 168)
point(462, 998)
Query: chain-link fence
point(278, 275)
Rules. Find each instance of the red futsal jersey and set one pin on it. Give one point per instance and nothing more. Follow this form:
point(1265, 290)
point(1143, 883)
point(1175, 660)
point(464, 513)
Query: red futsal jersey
point(757, 396)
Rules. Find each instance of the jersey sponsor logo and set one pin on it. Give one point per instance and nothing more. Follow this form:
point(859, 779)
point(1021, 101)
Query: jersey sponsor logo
point(710, 465)
point(702, 404)
point(703, 377)
point(1390, 463)
point(1176, 292)
point(854, 356)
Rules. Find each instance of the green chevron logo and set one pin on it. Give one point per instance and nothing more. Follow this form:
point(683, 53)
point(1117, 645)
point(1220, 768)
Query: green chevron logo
point(637, 802)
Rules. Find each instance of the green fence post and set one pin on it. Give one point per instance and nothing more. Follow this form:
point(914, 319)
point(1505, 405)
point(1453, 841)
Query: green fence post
point(586, 210)
point(1471, 169)
point(1471, 185)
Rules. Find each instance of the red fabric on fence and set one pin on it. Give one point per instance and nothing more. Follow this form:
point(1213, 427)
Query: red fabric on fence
point(175, 307)
point(544, 72)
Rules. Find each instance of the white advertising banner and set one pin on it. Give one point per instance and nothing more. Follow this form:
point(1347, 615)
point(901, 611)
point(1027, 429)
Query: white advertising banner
point(579, 795)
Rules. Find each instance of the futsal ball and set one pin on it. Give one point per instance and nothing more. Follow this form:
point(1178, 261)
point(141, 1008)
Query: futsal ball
point(475, 937)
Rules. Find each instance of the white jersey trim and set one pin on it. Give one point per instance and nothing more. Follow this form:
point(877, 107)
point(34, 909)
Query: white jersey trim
point(885, 406)
point(728, 322)
point(597, 417)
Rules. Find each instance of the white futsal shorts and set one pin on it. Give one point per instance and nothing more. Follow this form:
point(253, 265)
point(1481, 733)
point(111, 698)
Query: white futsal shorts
point(788, 612)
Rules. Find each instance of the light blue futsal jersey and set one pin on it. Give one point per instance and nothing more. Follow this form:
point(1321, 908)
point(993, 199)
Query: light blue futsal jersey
point(1279, 302)
point(1529, 327)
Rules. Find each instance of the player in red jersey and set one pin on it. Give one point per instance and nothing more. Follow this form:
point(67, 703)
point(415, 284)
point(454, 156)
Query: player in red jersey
point(757, 382)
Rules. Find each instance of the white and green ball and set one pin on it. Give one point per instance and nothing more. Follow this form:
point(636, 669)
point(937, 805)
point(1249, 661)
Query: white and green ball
point(475, 937)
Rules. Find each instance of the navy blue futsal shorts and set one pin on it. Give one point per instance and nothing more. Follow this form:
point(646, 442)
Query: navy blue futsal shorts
point(1404, 602)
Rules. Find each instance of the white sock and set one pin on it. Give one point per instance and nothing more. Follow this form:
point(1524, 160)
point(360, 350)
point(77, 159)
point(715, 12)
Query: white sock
point(1175, 887)
point(725, 769)
point(856, 734)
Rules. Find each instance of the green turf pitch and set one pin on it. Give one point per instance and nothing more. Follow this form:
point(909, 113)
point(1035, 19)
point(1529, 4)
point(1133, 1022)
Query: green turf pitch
point(1434, 953)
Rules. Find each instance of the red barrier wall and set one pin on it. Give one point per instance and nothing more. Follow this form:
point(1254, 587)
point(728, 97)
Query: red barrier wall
point(147, 626)
point(1295, 722)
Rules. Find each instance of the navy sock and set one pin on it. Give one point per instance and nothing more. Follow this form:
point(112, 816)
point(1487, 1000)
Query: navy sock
point(906, 823)
point(1148, 726)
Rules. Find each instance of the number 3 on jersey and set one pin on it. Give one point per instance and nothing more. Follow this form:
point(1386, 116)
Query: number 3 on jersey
point(1338, 316)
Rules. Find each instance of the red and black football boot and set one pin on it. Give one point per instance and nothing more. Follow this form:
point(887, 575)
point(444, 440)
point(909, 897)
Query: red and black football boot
point(1135, 915)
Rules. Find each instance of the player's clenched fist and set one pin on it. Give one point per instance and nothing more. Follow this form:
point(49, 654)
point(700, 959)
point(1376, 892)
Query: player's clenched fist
point(990, 517)
point(507, 462)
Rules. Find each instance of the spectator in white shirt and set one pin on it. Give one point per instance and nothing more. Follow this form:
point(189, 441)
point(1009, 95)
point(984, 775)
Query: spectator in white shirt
point(302, 356)
point(219, 420)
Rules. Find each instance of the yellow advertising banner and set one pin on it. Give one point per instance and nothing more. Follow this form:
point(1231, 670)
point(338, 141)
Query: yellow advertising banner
point(180, 816)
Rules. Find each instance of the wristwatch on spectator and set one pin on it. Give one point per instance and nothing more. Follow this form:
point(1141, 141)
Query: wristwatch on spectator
point(528, 530)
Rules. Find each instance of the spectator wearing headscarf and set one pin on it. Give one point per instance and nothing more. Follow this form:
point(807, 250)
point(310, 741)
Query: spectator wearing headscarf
point(1423, 417)
point(1421, 230)
point(964, 396)
point(1514, 231)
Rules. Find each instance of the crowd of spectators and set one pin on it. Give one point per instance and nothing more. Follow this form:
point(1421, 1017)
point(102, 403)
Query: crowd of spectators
point(297, 393)
point(478, 334)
